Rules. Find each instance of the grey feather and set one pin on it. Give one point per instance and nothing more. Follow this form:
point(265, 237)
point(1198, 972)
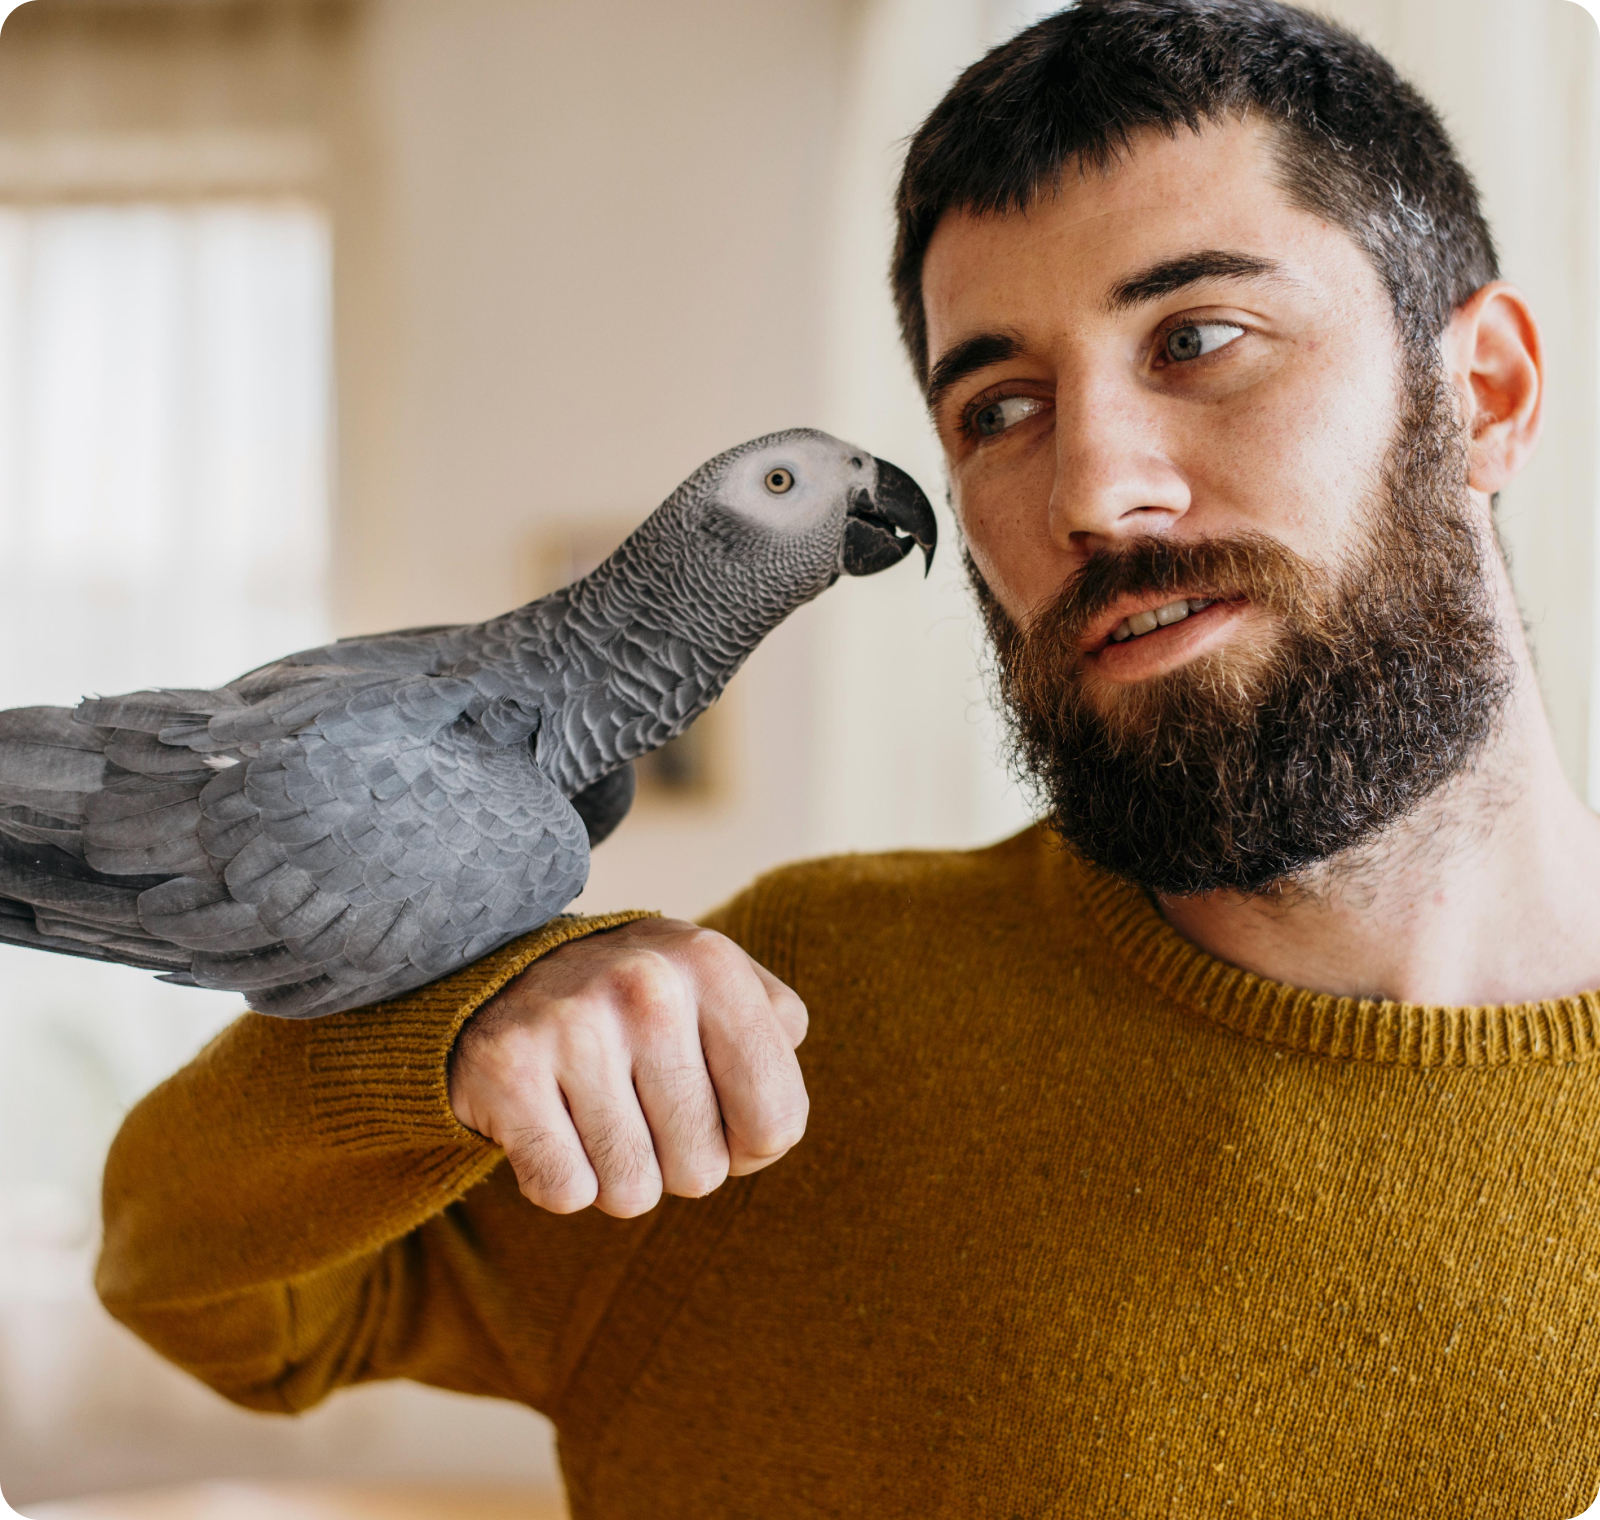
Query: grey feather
point(605, 804)
point(346, 824)
point(19, 926)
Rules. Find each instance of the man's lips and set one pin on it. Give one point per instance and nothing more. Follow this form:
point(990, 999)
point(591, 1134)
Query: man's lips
point(1149, 612)
point(1130, 661)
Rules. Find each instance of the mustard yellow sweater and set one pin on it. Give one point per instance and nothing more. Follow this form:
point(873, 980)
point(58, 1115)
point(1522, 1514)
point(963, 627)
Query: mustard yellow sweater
point(1086, 1224)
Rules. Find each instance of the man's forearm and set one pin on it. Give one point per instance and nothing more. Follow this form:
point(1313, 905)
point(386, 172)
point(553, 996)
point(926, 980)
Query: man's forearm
point(249, 1198)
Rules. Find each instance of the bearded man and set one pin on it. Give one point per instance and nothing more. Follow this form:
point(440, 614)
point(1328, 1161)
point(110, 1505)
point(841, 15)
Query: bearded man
point(1224, 1145)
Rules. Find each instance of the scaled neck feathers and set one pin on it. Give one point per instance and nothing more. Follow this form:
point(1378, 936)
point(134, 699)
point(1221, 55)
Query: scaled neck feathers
point(630, 655)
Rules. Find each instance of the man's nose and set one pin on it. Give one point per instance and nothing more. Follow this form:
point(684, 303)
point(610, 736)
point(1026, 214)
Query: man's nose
point(1114, 479)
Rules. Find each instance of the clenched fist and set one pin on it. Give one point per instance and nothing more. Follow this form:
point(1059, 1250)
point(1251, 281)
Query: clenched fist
point(655, 1057)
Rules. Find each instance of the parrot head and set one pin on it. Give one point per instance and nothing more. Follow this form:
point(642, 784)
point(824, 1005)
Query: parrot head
point(805, 501)
point(750, 536)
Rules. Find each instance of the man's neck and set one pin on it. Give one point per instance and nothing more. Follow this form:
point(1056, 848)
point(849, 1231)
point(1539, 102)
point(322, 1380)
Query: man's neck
point(1487, 893)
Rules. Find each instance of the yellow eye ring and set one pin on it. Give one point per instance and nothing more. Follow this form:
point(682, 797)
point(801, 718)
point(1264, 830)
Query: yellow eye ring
point(778, 481)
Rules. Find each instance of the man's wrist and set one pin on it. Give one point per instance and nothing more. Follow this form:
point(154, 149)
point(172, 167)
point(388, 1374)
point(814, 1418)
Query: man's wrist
point(489, 1009)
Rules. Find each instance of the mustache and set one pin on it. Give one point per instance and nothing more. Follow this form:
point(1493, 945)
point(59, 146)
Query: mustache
point(1239, 770)
point(1239, 567)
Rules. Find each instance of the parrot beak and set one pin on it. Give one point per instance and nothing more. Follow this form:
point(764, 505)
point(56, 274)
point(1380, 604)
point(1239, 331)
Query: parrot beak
point(882, 526)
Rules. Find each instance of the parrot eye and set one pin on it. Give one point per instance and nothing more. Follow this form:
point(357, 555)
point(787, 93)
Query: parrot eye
point(778, 481)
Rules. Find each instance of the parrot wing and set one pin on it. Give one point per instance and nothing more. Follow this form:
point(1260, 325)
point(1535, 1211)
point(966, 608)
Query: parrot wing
point(346, 836)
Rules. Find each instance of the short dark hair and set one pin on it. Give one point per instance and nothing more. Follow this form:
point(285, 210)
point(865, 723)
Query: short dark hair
point(1358, 145)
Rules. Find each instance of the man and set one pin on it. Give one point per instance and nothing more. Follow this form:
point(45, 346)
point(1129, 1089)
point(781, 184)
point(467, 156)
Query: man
point(1227, 1146)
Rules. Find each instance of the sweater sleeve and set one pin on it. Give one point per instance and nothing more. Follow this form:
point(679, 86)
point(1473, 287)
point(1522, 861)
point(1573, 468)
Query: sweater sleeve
point(290, 1213)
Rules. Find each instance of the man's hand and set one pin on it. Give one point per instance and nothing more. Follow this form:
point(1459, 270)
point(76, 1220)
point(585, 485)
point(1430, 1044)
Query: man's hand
point(655, 1057)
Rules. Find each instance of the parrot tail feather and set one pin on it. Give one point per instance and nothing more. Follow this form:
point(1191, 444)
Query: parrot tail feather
point(50, 765)
point(19, 925)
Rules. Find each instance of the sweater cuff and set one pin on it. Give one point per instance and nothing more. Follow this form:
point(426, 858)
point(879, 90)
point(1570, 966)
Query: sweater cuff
point(380, 1075)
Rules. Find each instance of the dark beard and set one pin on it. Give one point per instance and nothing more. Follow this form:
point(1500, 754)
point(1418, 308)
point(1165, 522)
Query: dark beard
point(1239, 770)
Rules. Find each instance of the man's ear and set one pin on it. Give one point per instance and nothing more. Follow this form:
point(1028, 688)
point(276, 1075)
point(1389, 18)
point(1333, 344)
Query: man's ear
point(1495, 358)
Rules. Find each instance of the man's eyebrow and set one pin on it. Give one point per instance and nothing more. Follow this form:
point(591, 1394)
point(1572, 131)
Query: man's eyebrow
point(970, 354)
point(1172, 275)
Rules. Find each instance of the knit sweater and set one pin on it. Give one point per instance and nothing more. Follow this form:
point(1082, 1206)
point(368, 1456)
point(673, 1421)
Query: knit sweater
point(1086, 1224)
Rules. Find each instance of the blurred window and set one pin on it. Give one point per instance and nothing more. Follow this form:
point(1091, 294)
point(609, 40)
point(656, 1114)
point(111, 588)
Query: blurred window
point(164, 440)
point(164, 380)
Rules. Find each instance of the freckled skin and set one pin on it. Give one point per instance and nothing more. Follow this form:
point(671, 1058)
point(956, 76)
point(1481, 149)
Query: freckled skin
point(1283, 434)
point(1282, 431)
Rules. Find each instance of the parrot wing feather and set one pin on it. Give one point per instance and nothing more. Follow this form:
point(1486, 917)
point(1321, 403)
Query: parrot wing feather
point(343, 836)
point(356, 858)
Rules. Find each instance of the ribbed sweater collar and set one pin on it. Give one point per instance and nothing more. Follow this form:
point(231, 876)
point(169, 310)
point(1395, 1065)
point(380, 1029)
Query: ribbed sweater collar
point(1555, 1031)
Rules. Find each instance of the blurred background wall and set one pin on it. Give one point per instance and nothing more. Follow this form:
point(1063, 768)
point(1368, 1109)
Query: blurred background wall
point(334, 315)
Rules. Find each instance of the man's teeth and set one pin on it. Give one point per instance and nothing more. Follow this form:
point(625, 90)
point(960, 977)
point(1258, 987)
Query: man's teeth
point(1159, 617)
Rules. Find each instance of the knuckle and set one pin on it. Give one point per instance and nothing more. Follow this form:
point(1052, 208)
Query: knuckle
point(778, 1139)
point(703, 1179)
point(698, 1161)
point(521, 1062)
point(620, 1152)
point(547, 1170)
point(678, 1094)
point(569, 1201)
point(650, 996)
point(643, 976)
point(630, 1182)
point(792, 1011)
point(714, 951)
point(581, 1039)
point(658, 1022)
point(759, 1054)
point(776, 1130)
point(627, 1203)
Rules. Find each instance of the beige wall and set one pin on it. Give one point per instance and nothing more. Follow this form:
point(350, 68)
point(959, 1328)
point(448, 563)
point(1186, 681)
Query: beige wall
point(580, 249)
point(72, 66)
point(1518, 83)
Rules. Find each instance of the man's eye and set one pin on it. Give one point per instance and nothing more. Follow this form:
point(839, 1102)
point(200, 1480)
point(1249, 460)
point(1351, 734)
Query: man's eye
point(1184, 343)
point(1005, 413)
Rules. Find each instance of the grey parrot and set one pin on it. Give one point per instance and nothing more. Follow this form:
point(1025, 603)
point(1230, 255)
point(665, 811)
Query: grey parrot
point(349, 823)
